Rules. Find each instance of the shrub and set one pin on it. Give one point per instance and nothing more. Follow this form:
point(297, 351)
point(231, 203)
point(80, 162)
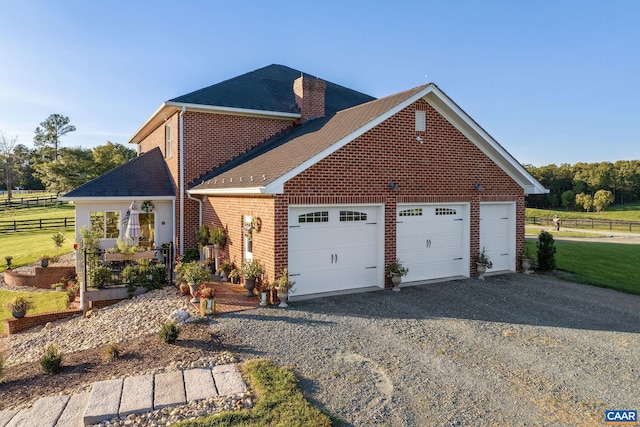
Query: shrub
point(111, 352)
point(100, 276)
point(546, 251)
point(190, 254)
point(51, 360)
point(169, 332)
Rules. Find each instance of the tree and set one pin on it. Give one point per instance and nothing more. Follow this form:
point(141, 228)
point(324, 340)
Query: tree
point(584, 200)
point(568, 199)
point(602, 199)
point(70, 171)
point(110, 156)
point(47, 138)
point(7, 161)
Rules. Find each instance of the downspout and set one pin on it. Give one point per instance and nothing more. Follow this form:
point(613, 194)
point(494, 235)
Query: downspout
point(200, 207)
point(182, 180)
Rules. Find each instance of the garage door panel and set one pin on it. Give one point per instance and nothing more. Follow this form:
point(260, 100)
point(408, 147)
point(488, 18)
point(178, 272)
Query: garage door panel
point(335, 253)
point(497, 234)
point(430, 240)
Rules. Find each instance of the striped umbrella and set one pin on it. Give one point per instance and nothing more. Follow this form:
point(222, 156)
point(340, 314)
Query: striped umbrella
point(133, 230)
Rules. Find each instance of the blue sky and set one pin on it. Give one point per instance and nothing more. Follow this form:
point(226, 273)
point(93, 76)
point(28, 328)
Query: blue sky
point(552, 81)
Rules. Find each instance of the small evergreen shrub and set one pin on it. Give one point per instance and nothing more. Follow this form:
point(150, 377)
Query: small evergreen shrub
point(190, 254)
point(51, 360)
point(111, 352)
point(169, 332)
point(546, 251)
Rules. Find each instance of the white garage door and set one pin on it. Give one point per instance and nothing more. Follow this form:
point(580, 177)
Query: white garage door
point(335, 248)
point(432, 240)
point(497, 234)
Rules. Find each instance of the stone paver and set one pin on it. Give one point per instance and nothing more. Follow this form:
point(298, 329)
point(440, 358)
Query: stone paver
point(198, 384)
point(18, 419)
point(228, 380)
point(104, 401)
point(169, 390)
point(46, 411)
point(121, 397)
point(74, 411)
point(137, 395)
point(5, 416)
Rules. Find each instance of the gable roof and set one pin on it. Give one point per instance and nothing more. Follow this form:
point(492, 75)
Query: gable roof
point(267, 91)
point(267, 172)
point(144, 176)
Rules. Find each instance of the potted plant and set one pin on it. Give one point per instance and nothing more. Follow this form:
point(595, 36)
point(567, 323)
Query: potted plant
point(72, 291)
point(251, 270)
point(225, 269)
point(283, 287)
point(194, 273)
point(207, 300)
point(202, 237)
point(44, 260)
point(483, 262)
point(525, 259)
point(234, 275)
point(396, 272)
point(8, 259)
point(59, 287)
point(218, 238)
point(19, 306)
point(265, 288)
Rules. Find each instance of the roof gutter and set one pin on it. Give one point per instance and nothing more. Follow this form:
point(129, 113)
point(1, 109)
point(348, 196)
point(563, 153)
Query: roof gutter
point(181, 178)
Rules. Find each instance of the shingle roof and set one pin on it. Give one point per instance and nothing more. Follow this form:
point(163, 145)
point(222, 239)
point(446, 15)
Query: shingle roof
point(269, 89)
point(275, 158)
point(146, 175)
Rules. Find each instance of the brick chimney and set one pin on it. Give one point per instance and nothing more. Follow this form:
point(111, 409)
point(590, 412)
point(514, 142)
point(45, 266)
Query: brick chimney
point(310, 97)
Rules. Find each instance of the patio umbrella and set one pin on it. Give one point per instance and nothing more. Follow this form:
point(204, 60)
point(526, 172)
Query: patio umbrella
point(133, 230)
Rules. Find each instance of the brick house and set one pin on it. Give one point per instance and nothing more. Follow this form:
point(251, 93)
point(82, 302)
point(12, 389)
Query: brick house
point(327, 181)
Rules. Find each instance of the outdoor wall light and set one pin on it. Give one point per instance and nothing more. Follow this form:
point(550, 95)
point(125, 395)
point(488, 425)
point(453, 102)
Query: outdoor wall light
point(393, 186)
point(478, 186)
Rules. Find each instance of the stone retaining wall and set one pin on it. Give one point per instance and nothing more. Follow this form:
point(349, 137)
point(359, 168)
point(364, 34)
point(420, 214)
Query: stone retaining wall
point(44, 277)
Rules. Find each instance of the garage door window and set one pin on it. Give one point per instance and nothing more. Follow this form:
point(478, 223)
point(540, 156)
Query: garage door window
point(352, 216)
point(411, 212)
point(321, 216)
point(445, 211)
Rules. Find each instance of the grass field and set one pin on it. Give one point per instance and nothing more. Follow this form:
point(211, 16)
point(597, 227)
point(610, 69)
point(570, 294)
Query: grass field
point(27, 246)
point(608, 265)
point(42, 301)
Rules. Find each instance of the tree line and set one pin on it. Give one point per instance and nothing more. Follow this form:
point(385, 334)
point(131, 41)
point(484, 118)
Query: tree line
point(51, 167)
point(584, 186)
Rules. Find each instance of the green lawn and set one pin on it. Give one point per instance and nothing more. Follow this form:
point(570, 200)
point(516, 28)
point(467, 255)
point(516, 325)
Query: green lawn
point(609, 265)
point(42, 301)
point(280, 402)
point(27, 246)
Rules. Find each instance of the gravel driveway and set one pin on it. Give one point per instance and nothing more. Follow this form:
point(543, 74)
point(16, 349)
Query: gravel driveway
point(513, 350)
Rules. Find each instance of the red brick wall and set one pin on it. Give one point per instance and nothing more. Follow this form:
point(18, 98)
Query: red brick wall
point(209, 141)
point(441, 169)
point(12, 326)
point(43, 278)
point(229, 212)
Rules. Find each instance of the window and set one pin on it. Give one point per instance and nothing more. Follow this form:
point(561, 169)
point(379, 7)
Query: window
point(106, 224)
point(445, 211)
point(411, 212)
point(321, 216)
point(352, 216)
point(421, 121)
point(248, 242)
point(167, 140)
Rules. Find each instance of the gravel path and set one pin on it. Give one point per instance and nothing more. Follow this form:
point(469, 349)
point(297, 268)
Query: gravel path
point(514, 350)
